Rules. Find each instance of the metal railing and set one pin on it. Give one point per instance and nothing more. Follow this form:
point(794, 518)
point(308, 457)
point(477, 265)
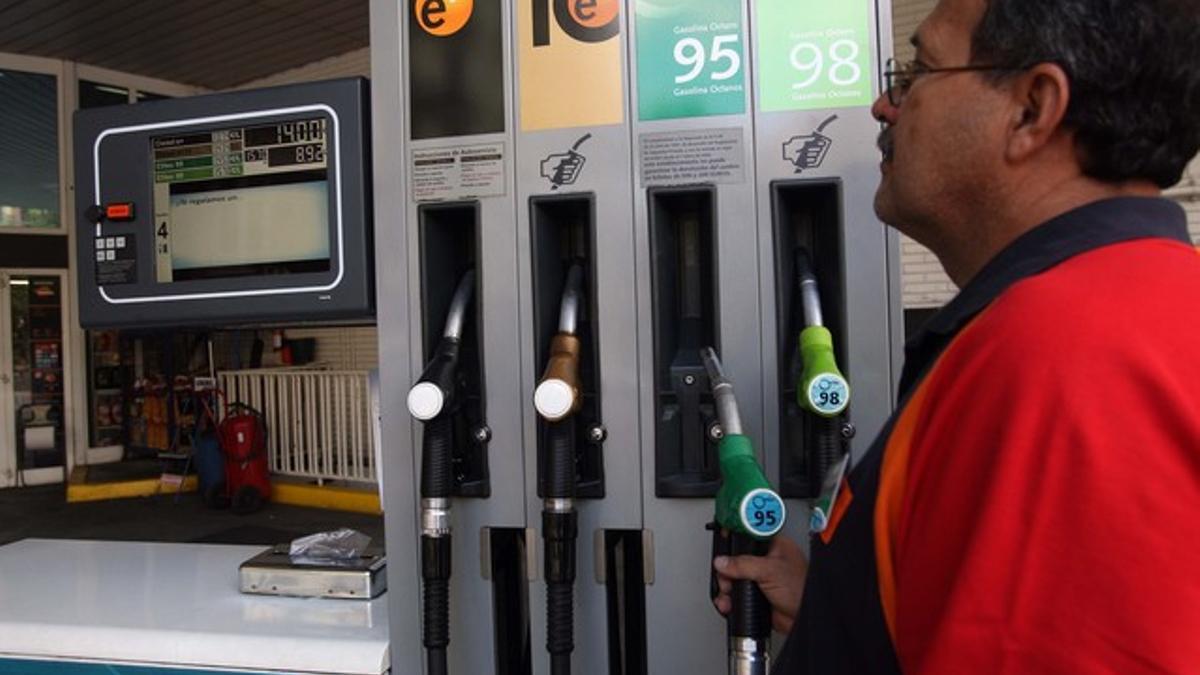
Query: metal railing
point(318, 421)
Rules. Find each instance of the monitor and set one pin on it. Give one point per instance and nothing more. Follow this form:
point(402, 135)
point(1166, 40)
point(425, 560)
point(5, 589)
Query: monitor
point(243, 207)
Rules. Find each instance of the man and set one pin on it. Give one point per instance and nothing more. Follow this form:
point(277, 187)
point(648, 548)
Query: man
point(1034, 504)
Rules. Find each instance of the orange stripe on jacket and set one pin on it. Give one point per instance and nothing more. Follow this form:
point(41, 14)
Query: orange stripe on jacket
point(889, 503)
point(893, 481)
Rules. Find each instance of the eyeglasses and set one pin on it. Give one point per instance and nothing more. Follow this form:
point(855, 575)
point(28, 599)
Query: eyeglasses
point(899, 78)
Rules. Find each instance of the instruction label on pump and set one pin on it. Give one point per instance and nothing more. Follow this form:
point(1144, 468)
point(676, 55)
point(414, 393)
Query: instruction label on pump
point(569, 60)
point(702, 156)
point(690, 58)
point(814, 55)
point(458, 172)
point(116, 260)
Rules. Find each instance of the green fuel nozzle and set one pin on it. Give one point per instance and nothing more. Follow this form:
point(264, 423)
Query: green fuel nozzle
point(746, 503)
point(822, 390)
point(748, 514)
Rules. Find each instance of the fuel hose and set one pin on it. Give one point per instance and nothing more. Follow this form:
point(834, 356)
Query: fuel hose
point(749, 512)
point(432, 401)
point(556, 399)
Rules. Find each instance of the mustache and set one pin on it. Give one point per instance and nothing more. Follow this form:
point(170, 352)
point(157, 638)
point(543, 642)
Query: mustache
point(886, 143)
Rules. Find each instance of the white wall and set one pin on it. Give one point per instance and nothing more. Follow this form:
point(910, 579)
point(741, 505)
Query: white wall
point(350, 64)
point(1187, 193)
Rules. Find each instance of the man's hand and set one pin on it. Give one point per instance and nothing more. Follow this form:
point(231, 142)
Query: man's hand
point(780, 574)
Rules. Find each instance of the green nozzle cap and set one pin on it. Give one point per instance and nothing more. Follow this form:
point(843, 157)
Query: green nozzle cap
point(823, 389)
point(746, 503)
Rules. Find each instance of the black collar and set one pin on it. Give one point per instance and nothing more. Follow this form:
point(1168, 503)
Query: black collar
point(1088, 227)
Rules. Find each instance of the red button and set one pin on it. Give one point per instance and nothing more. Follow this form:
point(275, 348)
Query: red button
point(119, 211)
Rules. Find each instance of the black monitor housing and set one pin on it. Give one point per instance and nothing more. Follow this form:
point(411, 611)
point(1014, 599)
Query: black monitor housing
point(233, 208)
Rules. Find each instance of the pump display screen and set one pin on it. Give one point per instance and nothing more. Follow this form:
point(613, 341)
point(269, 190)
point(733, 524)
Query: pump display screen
point(242, 201)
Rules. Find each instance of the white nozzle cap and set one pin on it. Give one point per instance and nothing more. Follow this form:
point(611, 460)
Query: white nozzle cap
point(553, 399)
point(425, 401)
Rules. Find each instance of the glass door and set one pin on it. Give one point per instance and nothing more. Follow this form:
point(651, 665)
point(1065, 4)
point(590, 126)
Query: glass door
point(107, 381)
point(34, 414)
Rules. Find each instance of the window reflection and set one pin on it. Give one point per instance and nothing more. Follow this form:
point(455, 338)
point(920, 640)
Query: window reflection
point(28, 150)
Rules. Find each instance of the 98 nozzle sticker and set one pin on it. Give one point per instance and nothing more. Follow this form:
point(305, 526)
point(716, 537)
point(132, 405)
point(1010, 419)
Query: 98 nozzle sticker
point(689, 58)
point(828, 394)
point(762, 512)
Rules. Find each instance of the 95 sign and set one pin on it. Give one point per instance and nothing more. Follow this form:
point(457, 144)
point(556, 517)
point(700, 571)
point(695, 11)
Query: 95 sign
point(814, 55)
point(689, 52)
point(689, 58)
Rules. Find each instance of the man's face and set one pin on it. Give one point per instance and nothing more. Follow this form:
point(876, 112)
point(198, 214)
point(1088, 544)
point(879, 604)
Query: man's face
point(942, 144)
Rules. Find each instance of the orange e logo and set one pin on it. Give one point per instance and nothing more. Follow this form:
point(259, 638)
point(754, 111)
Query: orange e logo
point(443, 17)
point(594, 14)
point(582, 20)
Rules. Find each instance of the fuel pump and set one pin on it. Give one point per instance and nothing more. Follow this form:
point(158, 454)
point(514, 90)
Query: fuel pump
point(557, 399)
point(822, 391)
point(748, 513)
point(432, 400)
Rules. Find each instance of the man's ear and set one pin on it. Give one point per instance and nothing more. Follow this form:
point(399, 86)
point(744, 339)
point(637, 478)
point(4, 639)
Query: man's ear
point(1040, 97)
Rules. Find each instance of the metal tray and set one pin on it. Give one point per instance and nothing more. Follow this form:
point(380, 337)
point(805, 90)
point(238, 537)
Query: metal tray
point(274, 572)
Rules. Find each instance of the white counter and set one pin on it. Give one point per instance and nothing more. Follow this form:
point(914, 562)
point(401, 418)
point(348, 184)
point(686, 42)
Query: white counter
point(174, 605)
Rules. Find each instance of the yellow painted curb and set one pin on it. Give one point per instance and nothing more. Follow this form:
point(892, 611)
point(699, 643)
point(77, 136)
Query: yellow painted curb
point(295, 494)
point(326, 497)
point(147, 487)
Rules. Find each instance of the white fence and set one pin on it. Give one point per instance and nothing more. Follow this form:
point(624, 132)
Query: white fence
point(318, 421)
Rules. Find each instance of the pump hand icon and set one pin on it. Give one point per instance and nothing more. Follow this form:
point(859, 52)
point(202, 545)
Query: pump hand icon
point(809, 151)
point(563, 168)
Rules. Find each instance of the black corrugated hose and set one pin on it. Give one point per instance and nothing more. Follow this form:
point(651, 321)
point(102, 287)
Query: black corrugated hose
point(559, 532)
point(829, 447)
point(436, 482)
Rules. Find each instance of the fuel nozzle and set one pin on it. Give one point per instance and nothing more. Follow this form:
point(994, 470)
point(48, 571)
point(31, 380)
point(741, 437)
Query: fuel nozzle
point(746, 503)
point(823, 389)
point(557, 394)
point(556, 399)
point(748, 513)
point(431, 401)
point(824, 392)
point(434, 391)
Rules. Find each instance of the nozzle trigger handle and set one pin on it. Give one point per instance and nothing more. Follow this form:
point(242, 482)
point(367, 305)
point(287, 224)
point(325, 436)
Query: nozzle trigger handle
point(721, 545)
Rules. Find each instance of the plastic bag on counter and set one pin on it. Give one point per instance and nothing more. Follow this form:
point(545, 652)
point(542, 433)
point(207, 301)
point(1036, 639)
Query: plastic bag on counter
point(325, 548)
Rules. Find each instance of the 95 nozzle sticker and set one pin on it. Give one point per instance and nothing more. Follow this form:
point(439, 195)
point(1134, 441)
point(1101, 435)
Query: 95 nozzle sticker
point(762, 512)
point(828, 394)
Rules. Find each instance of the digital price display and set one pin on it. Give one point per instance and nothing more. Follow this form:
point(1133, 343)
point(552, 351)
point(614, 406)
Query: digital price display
point(242, 201)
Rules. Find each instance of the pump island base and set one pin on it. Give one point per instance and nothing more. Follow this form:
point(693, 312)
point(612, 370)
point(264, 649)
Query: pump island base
point(82, 607)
